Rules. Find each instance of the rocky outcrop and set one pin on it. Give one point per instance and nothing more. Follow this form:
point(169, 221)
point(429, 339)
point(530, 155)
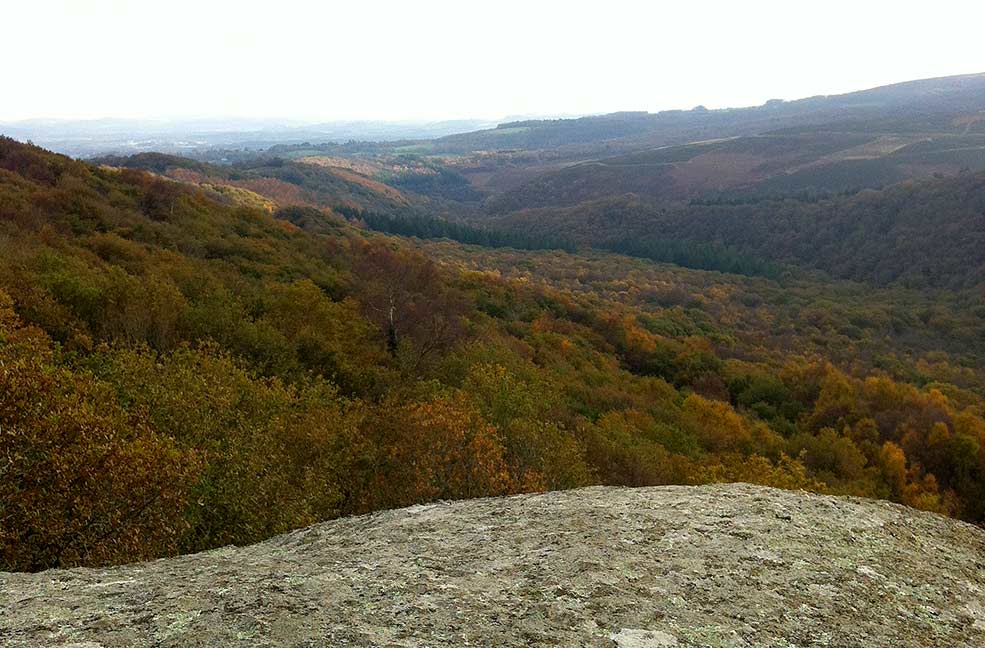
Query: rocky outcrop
point(724, 565)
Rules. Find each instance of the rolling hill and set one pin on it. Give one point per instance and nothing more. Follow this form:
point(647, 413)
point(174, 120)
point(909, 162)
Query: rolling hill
point(954, 95)
point(920, 233)
point(835, 158)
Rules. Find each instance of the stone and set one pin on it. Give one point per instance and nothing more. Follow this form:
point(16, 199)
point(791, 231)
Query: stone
point(595, 567)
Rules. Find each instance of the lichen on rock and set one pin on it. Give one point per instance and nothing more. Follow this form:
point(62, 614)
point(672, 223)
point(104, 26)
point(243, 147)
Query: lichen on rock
point(724, 565)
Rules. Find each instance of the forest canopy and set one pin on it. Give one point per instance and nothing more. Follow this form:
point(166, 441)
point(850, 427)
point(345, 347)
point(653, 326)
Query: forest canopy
point(180, 370)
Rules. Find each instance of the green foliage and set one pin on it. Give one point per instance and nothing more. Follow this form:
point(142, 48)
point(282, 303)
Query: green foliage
point(437, 181)
point(266, 445)
point(178, 373)
point(434, 228)
point(694, 254)
point(916, 234)
point(83, 481)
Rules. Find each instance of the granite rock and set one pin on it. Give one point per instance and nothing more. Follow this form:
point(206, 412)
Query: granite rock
point(722, 565)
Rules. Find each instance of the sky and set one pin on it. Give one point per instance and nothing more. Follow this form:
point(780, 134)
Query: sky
point(432, 60)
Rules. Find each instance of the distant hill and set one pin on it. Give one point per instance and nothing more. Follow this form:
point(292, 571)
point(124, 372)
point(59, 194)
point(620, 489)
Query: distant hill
point(957, 94)
point(281, 182)
point(752, 189)
point(799, 198)
point(87, 138)
point(831, 158)
point(866, 150)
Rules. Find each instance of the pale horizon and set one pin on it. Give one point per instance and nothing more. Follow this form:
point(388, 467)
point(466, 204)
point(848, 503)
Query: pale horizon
point(438, 61)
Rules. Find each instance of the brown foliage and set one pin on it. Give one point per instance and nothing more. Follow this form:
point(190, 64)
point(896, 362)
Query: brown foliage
point(82, 481)
point(420, 451)
point(409, 300)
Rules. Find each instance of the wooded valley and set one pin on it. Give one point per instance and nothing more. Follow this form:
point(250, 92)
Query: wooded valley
point(196, 353)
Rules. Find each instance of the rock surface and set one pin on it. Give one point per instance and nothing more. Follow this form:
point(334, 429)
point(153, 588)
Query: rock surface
point(724, 565)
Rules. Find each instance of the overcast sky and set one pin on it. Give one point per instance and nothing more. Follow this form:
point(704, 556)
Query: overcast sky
point(423, 59)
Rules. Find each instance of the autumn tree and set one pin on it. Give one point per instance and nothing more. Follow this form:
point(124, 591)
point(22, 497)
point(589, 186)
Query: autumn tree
point(83, 482)
point(420, 451)
point(406, 297)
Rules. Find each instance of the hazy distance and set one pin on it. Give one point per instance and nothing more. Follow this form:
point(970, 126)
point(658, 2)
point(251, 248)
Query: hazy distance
point(436, 60)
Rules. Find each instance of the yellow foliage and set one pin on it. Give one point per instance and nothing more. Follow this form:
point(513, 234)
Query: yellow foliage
point(83, 481)
point(786, 473)
point(421, 451)
point(719, 427)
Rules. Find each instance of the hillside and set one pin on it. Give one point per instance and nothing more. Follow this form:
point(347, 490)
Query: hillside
point(760, 191)
point(956, 95)
point(760, 205)
point(241, 372)
point(868, 138)
point(616, 568)
point(922, 233)
point(279, 181)
point(834, 158)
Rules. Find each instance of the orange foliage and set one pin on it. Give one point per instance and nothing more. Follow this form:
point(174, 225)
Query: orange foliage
point(421, 451)
point(83, 482)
